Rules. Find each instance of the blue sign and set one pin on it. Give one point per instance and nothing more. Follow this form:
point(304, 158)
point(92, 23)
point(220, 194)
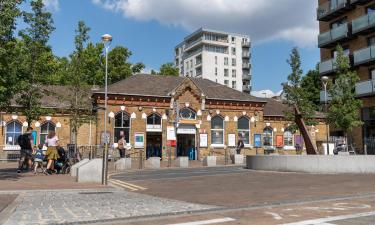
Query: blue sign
point(33, 134)
point(257, 140)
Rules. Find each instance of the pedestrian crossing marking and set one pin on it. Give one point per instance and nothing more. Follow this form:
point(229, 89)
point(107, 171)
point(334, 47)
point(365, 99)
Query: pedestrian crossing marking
point(126, 185)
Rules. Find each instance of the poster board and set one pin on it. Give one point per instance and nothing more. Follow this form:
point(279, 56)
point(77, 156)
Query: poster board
point(257, 140)
point(203, 140)
point(279, 141)
point(298, 140)
point(139, 140)
point(231, 140)
point(171, 134)
point(104, 138)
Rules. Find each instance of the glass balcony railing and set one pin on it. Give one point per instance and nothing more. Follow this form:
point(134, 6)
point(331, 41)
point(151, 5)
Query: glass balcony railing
point(323, 96)
point(245, 54)
point(363, 23)
point(246, 77)
point(327, 66)
point(245, 44)
point(246, 88)
point(188, 45)
point(333, 35)
point(245, 65)
point(365, 87)
point(361, 2)
point(329, 7)
point(364, 55)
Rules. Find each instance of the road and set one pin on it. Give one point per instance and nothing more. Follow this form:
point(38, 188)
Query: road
point(255, 197)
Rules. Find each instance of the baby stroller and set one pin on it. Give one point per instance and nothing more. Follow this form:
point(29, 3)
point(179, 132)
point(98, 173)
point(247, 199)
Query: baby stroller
point(62, 164)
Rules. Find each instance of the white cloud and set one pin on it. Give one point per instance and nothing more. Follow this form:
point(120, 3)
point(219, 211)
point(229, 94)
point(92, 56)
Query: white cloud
point(53, 5)
point(263, 20)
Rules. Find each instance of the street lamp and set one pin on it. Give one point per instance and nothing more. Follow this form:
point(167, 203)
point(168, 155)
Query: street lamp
point(325, 82)
point(107, 39)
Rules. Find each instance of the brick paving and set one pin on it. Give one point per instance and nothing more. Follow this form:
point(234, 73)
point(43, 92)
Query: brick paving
point(46, 207)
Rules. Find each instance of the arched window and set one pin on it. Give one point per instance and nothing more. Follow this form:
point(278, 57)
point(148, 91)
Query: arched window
point(187, 114)
point(243, 128)
point(44, 131)
point(122, 125)
point(13, 130)
point(288, 138)
point(217, 130)
point(268, 136)
point(154, 122)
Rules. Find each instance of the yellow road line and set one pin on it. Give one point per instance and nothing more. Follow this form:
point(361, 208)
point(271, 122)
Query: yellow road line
point(132, 185)
point(123, 185)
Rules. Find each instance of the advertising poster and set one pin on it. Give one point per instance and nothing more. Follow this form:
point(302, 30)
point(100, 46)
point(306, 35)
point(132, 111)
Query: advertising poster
point(171, 135)
point(279, 141)
point(231, 140)
point(299, 141)
point(203, 142)
point(139, 140)
point(257, 140)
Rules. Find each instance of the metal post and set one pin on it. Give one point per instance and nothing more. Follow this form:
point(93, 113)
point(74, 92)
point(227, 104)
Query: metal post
point(105, 150)
point(326, 109)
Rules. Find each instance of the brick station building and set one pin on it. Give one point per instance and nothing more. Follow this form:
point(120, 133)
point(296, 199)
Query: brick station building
point(212, 117)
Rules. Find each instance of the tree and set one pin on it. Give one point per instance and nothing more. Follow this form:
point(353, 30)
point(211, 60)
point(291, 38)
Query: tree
point(312, 85)
point(38, 60)
point(9, 52)
point(344, 108)
point(296, 95)
point(77, 84)
point(168, 69)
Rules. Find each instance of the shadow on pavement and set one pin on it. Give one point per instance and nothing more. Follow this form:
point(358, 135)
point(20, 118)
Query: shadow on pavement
point(10, 174)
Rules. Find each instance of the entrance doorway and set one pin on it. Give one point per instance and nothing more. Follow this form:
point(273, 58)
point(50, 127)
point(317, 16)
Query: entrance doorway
point(154, 144)
point(186, 145)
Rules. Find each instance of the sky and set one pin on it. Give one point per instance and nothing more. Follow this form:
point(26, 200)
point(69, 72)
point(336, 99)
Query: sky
point(152, 28)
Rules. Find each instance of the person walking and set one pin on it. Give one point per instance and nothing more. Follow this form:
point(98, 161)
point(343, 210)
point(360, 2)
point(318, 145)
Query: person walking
point(121, 145)
point(26, 142)
point(52, 154)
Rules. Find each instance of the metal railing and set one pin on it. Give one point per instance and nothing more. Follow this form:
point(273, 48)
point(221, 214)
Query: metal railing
point(330, 7)
point(363, 23)
point(365, 87)
point(364, 55)
point(327, 66)
point(333, 35)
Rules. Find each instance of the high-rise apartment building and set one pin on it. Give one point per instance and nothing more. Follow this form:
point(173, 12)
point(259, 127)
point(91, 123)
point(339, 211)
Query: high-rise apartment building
point(218, 56)
point(351, 24)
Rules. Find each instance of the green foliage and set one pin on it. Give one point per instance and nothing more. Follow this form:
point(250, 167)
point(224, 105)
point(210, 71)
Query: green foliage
point(37, 61)
point(344, 107)
point(168, 69)
point(296, 95)
point(312, 85)
point(10, 52)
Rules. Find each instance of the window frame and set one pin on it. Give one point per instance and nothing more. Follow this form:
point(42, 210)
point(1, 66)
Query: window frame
point(122, 127)
point(266, 136)
point(221, 130)
point(244, 130)
point(48, 130)
point(291, 139)
point(14, 133)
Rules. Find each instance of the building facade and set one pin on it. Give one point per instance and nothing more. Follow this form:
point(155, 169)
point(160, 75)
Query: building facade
point(212, 118)
point(350, 23)
point(218, 56)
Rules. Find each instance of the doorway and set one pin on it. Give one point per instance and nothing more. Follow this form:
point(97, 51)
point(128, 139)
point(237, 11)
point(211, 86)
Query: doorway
point(154, 144)
point(186, 145)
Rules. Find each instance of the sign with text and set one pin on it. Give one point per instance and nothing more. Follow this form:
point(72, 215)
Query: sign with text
point(171, 135)
point(257, 140)
point(171, 143)
point(139, 140)
point(231, 140)
point(203, 140)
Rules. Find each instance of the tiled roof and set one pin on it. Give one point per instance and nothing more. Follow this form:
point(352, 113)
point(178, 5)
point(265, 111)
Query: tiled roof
point(275, 108)
point(155, 85)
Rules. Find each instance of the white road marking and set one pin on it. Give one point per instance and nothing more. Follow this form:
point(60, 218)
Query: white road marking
point(275, 215)
point(202, 222)
point(333, 218)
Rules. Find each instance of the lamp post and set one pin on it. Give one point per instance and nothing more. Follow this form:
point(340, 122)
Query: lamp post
point(325, 82)
point(107, 39)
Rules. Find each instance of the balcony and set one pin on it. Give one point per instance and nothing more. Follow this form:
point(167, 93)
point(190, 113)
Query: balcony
point(365, 88)
point(323, 96)
point(331, 37)
point(364, 24)
point(192, 44)
point(364, 56)
point(246, 44)
point(332, 9)
point(245, 54)
point(246, 77)
point(359, 2)
point(245, 65)
point(246, 88)
point(327, 67)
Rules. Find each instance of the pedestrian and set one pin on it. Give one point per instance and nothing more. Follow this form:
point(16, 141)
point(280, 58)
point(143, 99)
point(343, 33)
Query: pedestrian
point(121, 145)
point(26, 142)
point(240, 144)
point(52, 154)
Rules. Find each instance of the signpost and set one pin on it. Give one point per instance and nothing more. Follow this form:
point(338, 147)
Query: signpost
point(257, 142)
